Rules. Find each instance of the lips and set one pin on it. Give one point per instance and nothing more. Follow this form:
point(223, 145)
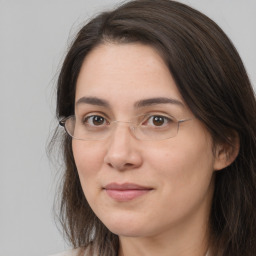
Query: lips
point(125, 192)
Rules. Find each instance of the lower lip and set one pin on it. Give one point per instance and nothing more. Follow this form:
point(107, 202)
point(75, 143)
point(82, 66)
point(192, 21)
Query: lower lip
point(126, 195)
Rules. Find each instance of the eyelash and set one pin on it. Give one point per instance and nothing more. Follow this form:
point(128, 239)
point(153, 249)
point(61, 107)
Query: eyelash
point(87, 118)
point(167, 119)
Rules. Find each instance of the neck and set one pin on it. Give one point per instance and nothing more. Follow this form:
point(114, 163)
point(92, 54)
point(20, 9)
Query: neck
point(176, 245)
point(189, 237)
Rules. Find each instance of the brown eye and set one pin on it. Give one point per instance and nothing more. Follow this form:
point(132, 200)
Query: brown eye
point(158, 120)
point(98, 120)
point(95, 120)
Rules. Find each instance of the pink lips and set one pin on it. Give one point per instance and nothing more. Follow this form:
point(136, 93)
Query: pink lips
point(125, 192)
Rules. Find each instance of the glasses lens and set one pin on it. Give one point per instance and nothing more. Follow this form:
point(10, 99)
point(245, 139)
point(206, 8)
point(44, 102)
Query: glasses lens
point(149, 127)
point(81, 130)
point(157, 131)
point(70, 125)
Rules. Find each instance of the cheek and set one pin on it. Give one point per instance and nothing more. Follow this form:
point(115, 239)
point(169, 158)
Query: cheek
point(185, 182)
point(184, 166)
point(88, 158)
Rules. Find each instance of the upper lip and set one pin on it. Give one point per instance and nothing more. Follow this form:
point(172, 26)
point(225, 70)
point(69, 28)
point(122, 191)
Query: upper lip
point(125, 186)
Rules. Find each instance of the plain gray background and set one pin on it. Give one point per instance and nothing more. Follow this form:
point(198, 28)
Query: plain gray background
point(34, 35)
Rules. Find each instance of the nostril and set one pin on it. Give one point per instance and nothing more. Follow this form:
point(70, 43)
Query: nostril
point(128, 164)
point(110, 165)
point(121, 166)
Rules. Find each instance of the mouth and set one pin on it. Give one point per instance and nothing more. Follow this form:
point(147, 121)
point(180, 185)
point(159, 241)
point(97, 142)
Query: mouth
point(126, 191)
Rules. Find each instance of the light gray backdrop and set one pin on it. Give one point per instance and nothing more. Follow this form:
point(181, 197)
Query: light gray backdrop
point(34, 36)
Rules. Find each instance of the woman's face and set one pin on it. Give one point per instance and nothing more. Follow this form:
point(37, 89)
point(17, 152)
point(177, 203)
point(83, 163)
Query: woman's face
point(140, 188)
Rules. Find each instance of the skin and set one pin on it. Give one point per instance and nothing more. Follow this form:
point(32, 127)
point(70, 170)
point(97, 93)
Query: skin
point(172, 218)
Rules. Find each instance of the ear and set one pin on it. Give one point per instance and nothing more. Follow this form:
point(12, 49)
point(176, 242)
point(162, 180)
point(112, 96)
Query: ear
point(226, 153)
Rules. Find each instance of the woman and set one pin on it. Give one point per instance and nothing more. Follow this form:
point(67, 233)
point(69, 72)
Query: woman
point(160, 149)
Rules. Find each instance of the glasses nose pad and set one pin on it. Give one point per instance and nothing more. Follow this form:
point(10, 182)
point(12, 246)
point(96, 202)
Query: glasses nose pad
point(133, 130)
point(130, 125)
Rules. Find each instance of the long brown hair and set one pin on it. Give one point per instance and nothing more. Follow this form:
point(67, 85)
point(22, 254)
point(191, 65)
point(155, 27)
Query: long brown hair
point(213, 82)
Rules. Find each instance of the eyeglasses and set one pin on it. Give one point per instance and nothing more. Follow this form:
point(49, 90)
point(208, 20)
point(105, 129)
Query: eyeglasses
point(143, 127)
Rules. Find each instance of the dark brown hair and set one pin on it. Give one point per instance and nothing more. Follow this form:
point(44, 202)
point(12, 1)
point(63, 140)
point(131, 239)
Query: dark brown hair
point(213, 82)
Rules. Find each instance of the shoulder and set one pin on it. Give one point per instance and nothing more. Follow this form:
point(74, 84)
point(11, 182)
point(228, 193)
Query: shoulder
point(73, 252)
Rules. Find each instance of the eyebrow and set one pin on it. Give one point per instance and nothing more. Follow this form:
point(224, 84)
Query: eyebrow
point(138, 104)
point(155, 101)
point(93, 101)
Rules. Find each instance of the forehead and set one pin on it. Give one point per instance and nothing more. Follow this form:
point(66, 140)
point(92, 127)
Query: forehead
point(125, 73)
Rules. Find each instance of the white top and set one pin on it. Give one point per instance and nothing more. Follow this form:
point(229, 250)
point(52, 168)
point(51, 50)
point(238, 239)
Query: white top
point(74, 252)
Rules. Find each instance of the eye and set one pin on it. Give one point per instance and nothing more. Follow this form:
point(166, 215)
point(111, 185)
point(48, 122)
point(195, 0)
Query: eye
point(157, 121)
point(95, 120)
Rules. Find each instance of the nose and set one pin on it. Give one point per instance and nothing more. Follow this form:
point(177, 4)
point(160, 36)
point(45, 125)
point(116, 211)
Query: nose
point(123, 150)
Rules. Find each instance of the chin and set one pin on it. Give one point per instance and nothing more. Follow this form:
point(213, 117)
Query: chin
point(127, 232)
point(126, 227)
